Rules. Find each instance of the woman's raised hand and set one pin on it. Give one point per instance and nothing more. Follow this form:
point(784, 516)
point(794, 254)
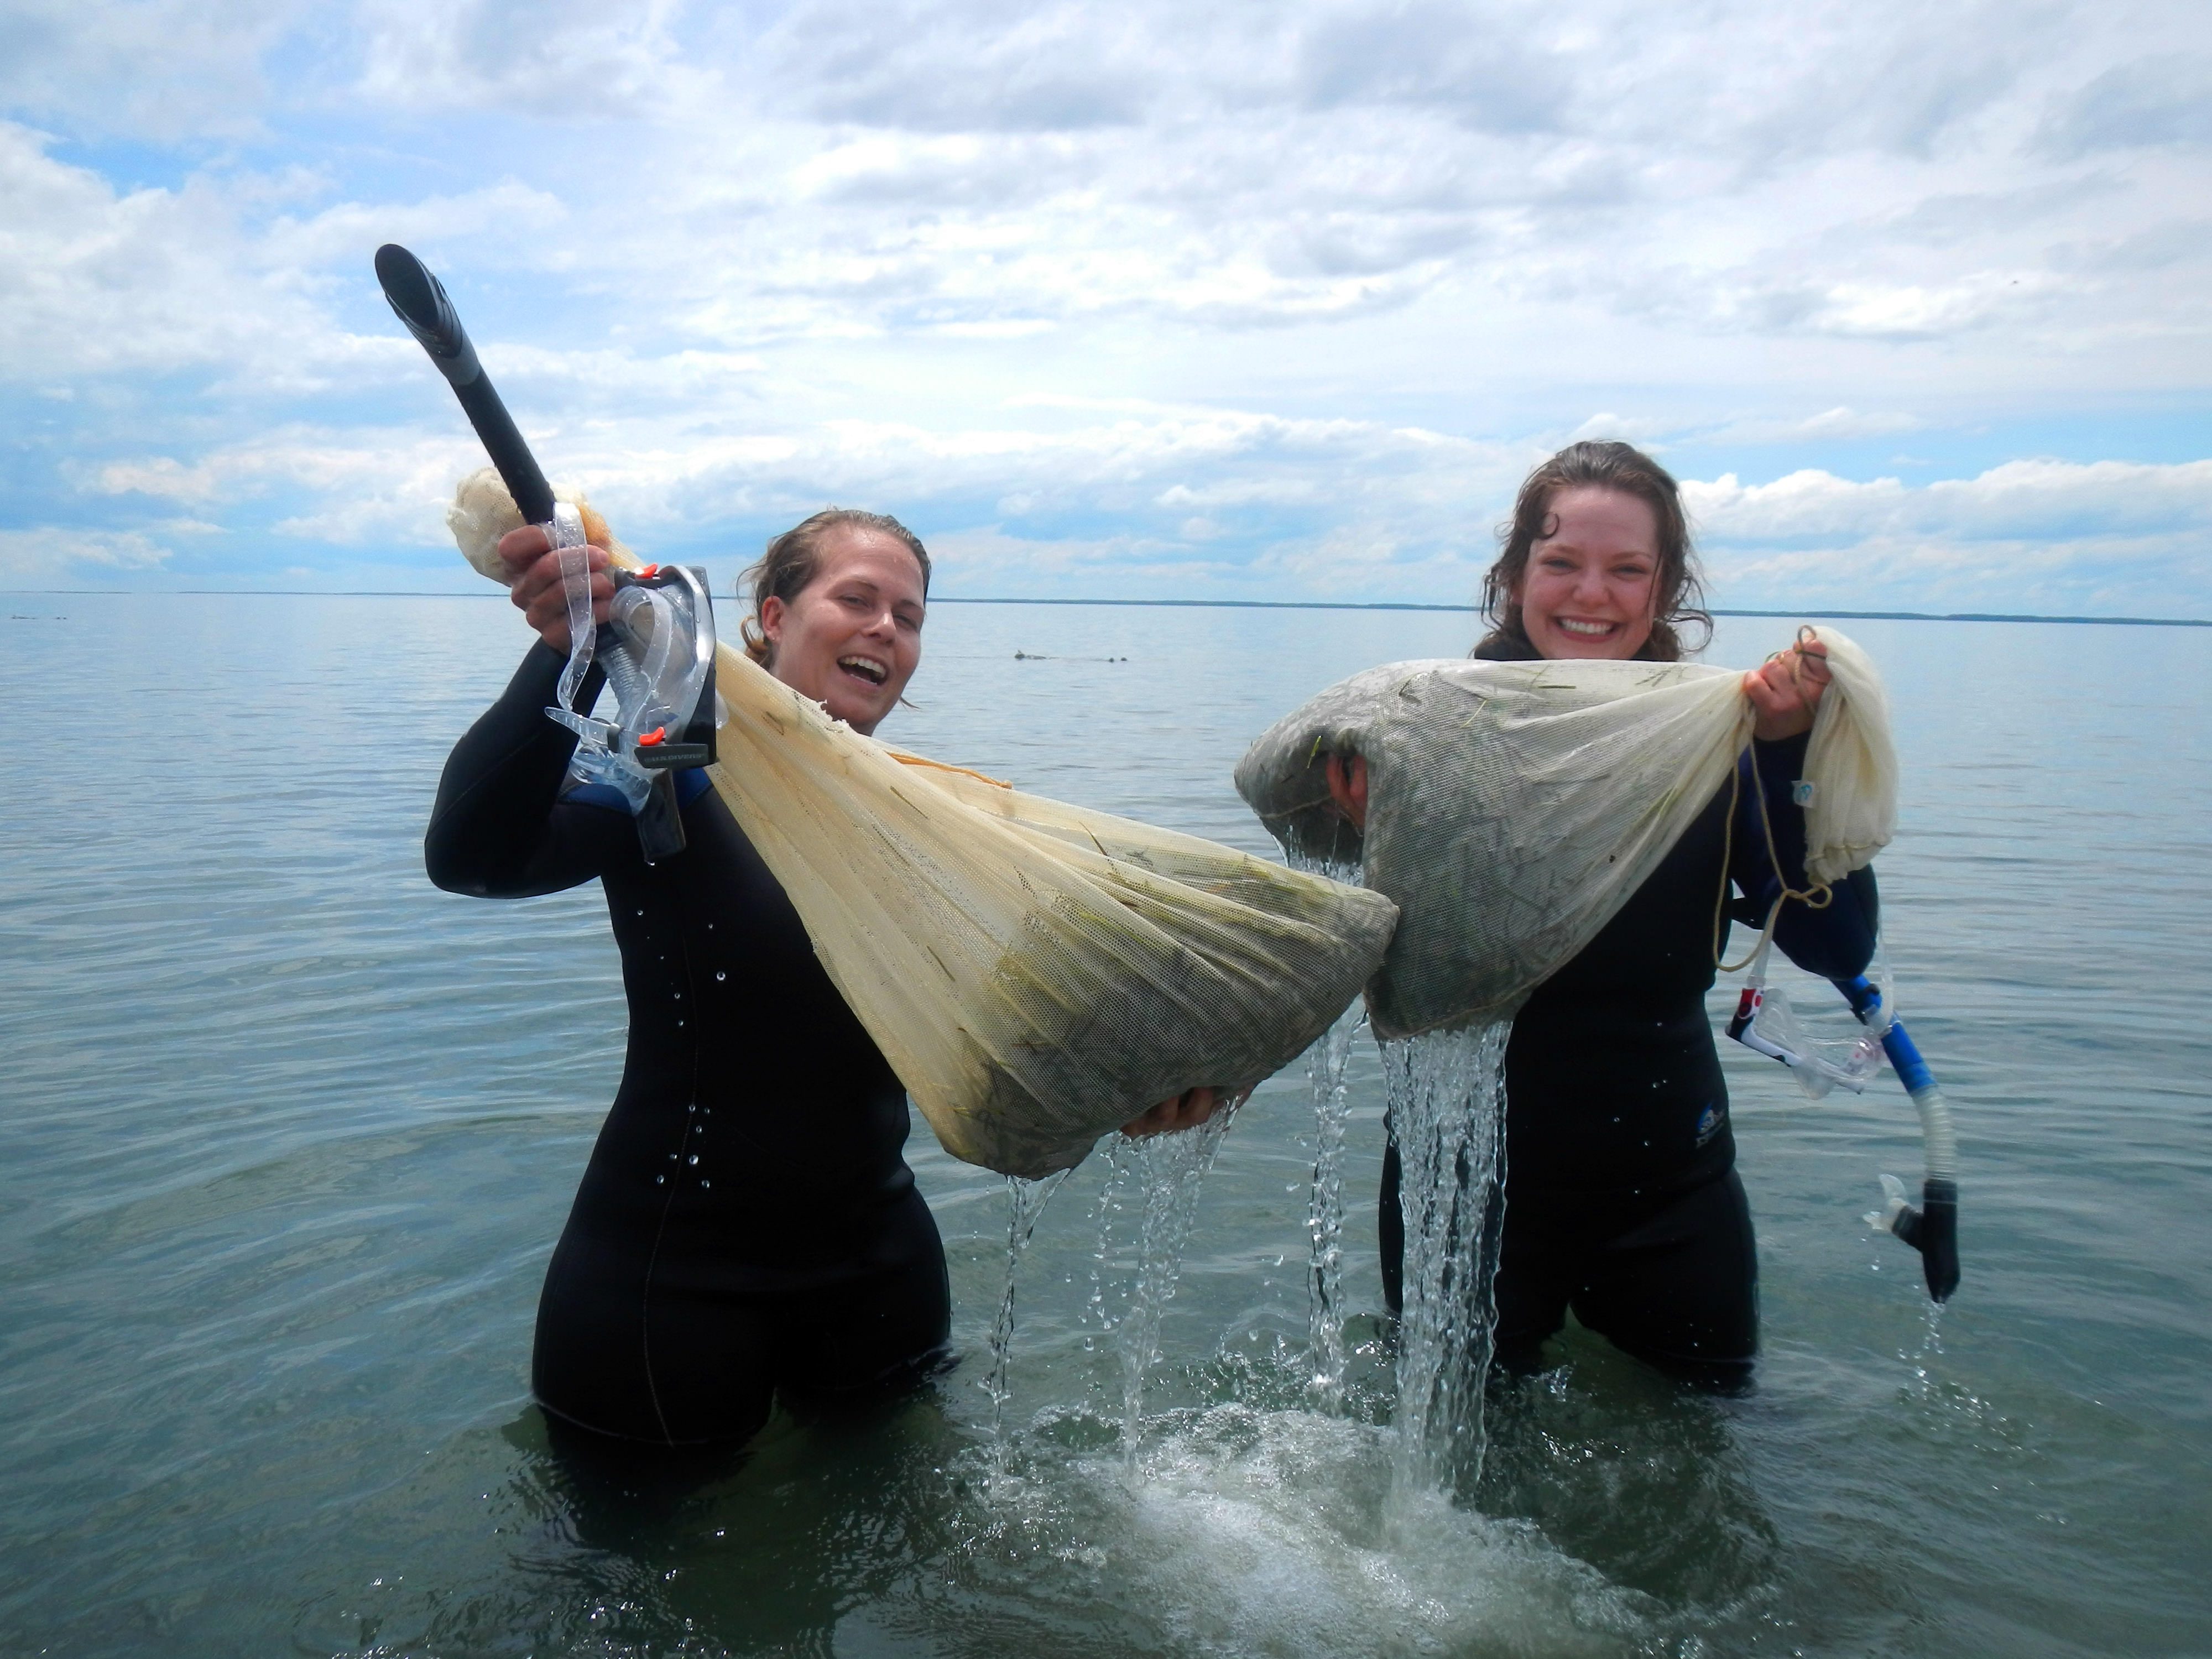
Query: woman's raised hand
point(1785, 694)
point(1185, 1111)
point(534, 586)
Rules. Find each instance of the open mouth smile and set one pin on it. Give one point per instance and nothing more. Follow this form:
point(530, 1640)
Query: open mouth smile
point(1588, 630)
point(866, 670)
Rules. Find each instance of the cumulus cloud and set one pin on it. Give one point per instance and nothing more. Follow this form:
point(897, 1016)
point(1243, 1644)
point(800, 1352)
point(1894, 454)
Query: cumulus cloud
point(556, 60)
point(2026, 536)
point(164, 69)
point(56, 556)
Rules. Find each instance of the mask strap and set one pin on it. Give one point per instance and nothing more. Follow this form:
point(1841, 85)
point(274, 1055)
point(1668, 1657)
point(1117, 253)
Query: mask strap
point(568, 532)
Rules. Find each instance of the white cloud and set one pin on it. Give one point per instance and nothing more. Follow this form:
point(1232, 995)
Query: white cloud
point(2106, 537)
point(555, 60)
point(56, 556)
point(1837, 424)
point(369, 487)
point(163, 68)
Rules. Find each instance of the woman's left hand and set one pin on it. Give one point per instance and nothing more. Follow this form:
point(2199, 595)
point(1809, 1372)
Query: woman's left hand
point(1185, 1111)
point(1785, 694)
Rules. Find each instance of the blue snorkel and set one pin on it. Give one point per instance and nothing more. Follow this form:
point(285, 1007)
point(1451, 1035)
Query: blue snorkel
point(1932, 1226)
point(1933, 1229)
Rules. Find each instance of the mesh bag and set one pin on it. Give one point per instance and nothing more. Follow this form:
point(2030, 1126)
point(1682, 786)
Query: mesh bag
point(1514, 807)
point(1036, 974)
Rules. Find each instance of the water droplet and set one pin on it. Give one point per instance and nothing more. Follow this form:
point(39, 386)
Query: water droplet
point(641, 913)
point(694, 1159)
point(693, 1107)
point(719, 975)
point(704, 1183)
point(698, 1128)
point(660, 1181)
point(671, 1157)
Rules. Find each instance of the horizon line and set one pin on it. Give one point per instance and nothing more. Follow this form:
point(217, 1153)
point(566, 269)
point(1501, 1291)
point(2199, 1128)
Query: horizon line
point(1200, 605)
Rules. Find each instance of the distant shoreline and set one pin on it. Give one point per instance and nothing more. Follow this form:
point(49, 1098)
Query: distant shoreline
point(1183, 605)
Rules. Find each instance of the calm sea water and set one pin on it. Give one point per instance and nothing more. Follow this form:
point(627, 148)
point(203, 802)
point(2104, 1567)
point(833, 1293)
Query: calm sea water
point(289, 1136)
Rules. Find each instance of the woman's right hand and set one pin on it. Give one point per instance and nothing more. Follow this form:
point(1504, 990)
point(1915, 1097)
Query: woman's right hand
point(534, 583)
point(1347, 788)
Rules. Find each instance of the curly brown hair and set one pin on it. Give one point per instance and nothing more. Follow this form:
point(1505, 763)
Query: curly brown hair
point(793, 560)
point(1678, 591)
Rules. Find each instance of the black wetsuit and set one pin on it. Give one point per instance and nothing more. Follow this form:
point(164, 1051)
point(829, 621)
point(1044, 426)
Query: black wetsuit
point(747, 1223)
point(1621, 1197)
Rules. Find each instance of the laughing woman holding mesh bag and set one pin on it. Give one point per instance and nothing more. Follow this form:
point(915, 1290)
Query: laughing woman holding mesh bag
point(747, 1226)
point(1622, 1203)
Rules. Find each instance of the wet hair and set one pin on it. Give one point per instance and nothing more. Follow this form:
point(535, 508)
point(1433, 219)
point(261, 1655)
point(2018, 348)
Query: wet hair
point(793, 560)
point(1678, 592)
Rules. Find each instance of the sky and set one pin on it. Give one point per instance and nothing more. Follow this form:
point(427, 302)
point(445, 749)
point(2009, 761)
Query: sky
point(1266, 302)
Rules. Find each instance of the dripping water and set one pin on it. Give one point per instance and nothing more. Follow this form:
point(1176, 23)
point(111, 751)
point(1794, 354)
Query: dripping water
point(1160, 1176)
point(1446, 1097)
point(1025, 1202)
point(1325, 1067)
point(1924, 1362)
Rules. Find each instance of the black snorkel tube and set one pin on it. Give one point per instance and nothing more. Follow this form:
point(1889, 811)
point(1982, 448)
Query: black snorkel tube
point(660, 658)
point(420, 300)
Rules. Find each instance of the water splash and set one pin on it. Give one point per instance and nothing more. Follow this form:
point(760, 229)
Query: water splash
point(1447, 1098)
point(1326, 1063)
point(1025, 1202)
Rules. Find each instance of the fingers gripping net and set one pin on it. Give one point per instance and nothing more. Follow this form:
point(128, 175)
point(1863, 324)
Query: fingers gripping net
point(1514, 807)
point(1036, 974)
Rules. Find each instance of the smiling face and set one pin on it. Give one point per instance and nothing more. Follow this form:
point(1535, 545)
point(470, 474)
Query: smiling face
point(1588, 589)
point(852, 638)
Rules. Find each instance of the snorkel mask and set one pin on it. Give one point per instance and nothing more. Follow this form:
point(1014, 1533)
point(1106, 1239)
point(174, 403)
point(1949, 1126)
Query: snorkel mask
point(658, 653)
point(659, 663)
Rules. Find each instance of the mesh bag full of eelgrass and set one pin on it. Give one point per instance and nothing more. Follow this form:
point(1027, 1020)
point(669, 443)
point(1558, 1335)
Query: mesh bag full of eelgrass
point(1513, 808)
point(1036, 974)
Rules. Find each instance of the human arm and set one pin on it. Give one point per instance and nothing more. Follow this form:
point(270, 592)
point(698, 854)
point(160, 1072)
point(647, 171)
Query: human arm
point(1835, 941)
point(497, 830)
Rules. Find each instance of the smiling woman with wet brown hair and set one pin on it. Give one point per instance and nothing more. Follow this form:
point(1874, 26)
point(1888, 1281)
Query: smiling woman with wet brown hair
point(1674, 598)
point(1622, 1203)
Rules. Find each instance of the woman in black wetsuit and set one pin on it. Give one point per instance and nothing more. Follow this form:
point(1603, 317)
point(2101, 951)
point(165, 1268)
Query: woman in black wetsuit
point(1622, 1202)
point(747, 1224)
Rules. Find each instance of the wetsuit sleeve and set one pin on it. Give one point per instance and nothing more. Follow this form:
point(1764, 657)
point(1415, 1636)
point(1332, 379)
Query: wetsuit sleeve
point(499, 829)
point(1835, 943)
